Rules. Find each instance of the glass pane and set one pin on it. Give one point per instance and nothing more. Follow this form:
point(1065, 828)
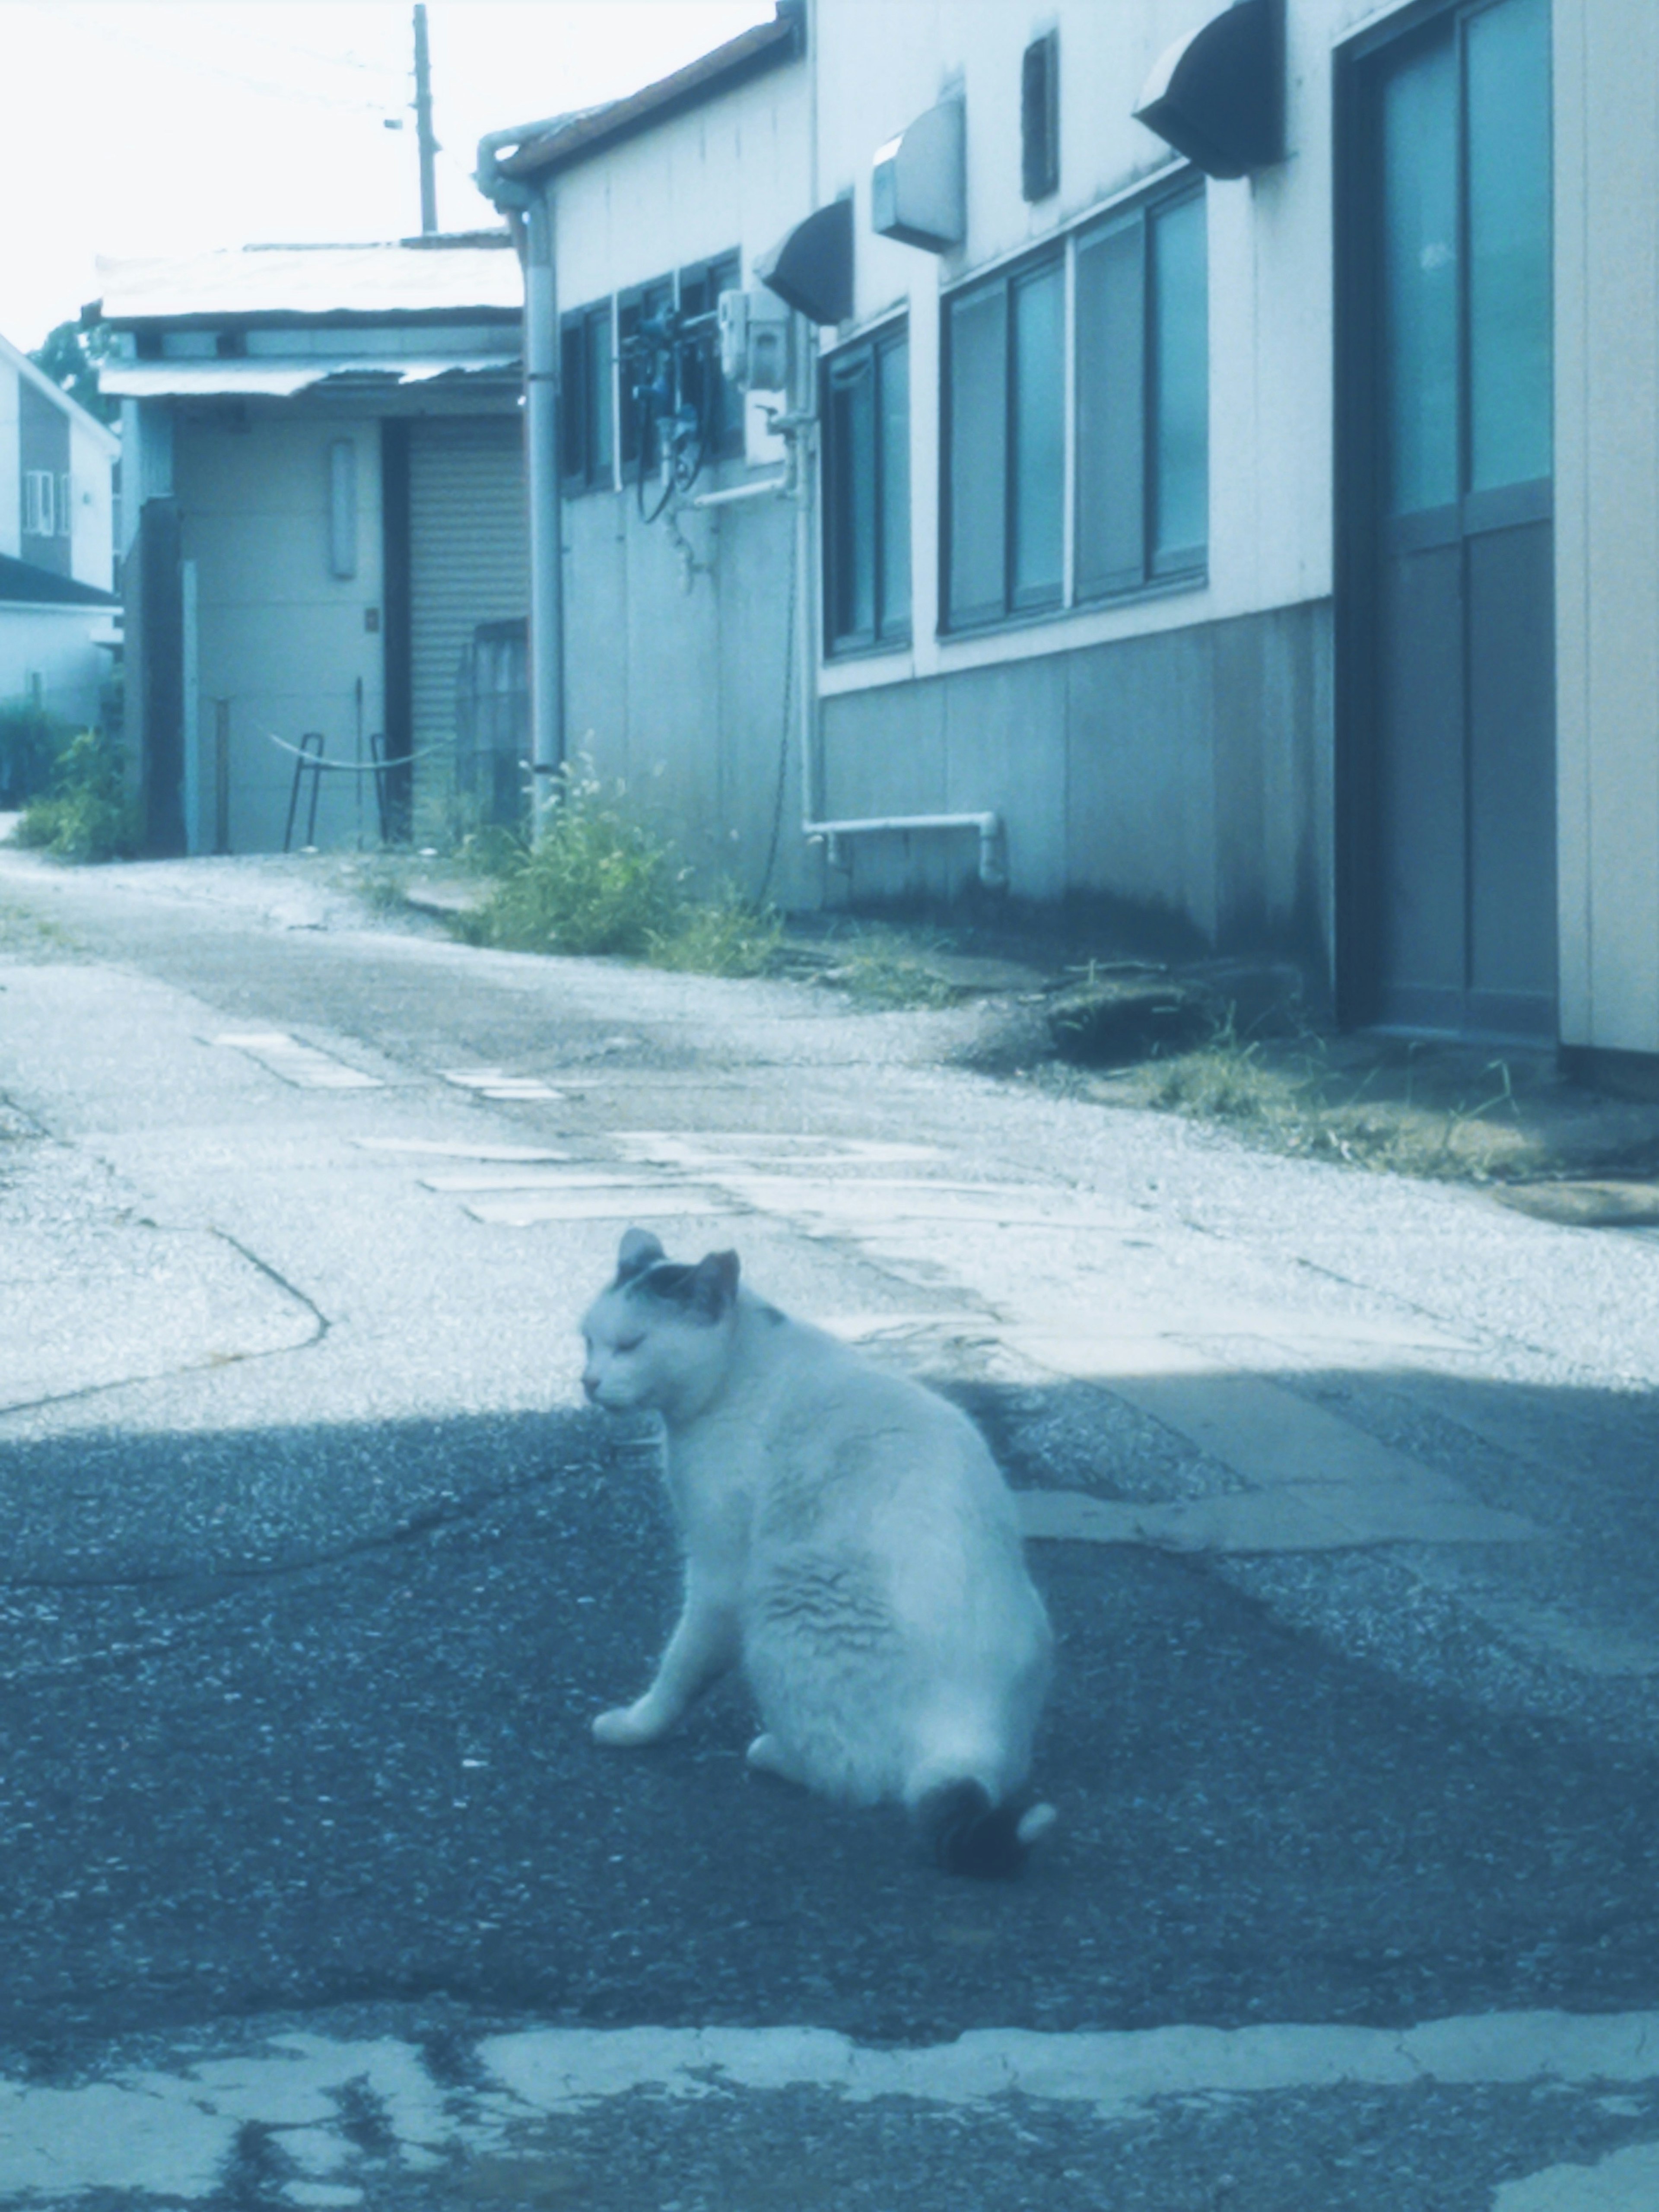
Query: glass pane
point(894, 361)
point(1419, 278)
point(599, 395)
point(573, 414)
point(852, 496)
point(1508, 170)
point(1181, 386)
point(979, 453)
point(1110, 411)
point(1039, 472)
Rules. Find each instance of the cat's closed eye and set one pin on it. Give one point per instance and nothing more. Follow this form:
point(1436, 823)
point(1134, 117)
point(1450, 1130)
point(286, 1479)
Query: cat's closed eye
point(628, 1343)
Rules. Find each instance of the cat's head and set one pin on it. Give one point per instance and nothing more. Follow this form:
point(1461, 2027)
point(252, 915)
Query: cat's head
point(658, 1336)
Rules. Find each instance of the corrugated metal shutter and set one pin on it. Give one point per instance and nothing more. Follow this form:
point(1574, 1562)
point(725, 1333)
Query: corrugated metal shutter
point(468, 563)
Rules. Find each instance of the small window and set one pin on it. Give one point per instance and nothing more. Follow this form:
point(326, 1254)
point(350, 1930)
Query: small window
point(39, 503)
point(588, 399)
point(1039, 117)
point(867, 503)
point(65, 520)
point(1142, 357)
point(640, 305)
point(1005, 445)
point(719, 404)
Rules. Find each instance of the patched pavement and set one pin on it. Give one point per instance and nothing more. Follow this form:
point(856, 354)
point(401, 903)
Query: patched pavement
point(318, 1892)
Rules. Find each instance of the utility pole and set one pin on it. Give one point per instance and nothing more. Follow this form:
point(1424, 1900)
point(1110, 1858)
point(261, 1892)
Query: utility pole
point(429, 144)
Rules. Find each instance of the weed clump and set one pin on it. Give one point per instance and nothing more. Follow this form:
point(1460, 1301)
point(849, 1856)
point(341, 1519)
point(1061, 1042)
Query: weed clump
point(88, 814)
point(599, 879)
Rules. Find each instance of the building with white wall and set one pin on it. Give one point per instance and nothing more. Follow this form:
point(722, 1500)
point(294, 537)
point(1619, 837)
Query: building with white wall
point(325, 506)
point(1231, 498)
point(57, 608)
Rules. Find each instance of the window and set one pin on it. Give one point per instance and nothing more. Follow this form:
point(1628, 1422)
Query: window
point(718, 402)
point(1005, 445)
point(1142, 365)
point(64, 520)
point(866, 498)
point(39, 503)
point(634, 307)
point(587, 447)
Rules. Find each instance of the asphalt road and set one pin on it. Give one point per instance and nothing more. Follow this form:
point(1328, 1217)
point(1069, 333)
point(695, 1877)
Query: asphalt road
point(316, 1889)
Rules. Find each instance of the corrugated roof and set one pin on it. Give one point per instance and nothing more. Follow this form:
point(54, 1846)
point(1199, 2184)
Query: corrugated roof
point(547, 148)
point(277, 380)
point(263, 280)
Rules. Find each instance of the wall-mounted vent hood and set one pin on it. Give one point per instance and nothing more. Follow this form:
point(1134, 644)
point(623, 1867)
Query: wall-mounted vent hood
point(812, 269)
point(918, 192)
point(1218, 94)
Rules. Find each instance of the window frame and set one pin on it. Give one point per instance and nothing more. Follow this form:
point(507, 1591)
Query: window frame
point(717, 273)
point(39, 503)
point(1150, 567)
point(887, 634)
point(587, 463)
point(634, 303)
point(1152, 571)
point(1015, 602)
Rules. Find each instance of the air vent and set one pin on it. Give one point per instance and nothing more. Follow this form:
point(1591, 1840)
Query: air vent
point(1039, 117)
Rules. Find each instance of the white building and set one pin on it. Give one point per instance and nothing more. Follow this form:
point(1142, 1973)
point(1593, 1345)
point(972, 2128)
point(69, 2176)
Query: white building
point(1231, 500)
point(325, 505)
point(57, 609)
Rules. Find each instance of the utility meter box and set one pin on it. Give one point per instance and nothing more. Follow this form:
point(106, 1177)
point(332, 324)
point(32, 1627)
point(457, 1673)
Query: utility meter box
point(754, 329)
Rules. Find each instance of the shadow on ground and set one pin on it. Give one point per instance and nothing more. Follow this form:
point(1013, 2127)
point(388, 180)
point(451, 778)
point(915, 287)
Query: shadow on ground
point(252, 1776)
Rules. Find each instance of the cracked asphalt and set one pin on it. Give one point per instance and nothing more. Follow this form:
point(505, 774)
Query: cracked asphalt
point(317, 1890)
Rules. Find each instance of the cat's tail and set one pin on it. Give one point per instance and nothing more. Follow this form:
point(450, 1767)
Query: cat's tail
point(966, 1833)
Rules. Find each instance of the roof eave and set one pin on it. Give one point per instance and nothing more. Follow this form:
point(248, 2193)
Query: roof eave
point(751, 54)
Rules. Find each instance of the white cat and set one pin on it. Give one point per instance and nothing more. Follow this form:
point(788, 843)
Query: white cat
point(848, 1541)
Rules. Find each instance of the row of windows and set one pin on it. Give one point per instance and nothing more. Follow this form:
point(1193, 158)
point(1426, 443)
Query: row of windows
point(1137, 439)
point(600, 435)
point(45, 504)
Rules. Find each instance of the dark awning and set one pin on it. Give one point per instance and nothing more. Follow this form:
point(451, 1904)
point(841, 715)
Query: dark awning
point(812, 269)
point(23, 584)
point(1218, 94)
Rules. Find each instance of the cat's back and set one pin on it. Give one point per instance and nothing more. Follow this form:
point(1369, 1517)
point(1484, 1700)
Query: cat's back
point(839, 1438)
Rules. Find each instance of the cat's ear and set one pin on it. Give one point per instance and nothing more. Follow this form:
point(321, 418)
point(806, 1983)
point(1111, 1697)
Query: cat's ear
point(714, 1284)
point(640, 1249)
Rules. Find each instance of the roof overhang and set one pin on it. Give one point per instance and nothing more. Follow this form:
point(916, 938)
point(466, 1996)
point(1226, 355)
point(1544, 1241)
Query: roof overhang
point(266, 380)
point(546, 148)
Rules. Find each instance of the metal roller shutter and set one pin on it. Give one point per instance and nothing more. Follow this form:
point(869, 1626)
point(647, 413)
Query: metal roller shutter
point(468, 563)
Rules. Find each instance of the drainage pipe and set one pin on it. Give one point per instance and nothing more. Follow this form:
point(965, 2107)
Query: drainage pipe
point(531, 213)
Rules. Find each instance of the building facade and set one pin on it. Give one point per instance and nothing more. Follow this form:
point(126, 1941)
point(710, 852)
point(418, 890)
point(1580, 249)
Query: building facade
point(326, 507)
point(57, 606)
point(1230, 486)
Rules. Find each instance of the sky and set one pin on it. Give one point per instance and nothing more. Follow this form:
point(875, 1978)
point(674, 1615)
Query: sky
point(157, 127)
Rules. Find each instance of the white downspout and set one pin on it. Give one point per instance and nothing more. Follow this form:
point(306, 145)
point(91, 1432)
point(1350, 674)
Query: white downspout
point(531, 210)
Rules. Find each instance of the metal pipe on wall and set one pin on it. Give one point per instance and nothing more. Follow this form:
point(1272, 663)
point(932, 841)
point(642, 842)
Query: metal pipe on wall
point(531, 211)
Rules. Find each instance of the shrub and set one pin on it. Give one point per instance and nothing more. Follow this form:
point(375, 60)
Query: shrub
point(727, 935)
point(31, 744)
point(597, 879)
point(86, 815)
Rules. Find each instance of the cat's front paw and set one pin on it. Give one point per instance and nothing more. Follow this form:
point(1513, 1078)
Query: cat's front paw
point(627, 1725)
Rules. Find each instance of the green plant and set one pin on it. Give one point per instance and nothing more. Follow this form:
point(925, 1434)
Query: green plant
point(88, 814)
point(32, 742)
point(727, 935)
point(892, 968)
point(597, 878)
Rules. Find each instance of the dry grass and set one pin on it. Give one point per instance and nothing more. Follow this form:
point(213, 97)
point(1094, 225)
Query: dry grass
point(1388, 1106)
